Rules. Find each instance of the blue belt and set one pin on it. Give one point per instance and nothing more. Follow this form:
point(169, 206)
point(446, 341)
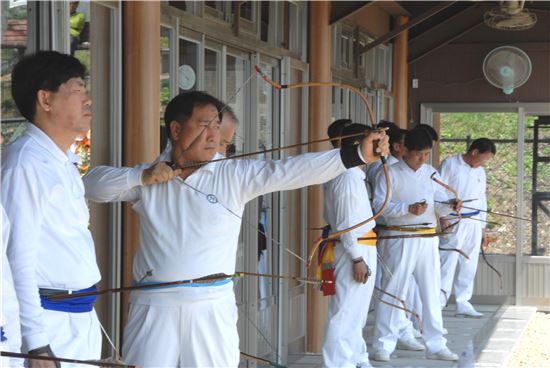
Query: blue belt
point(73, 305)
point(2, 334)
point(466, 214)
point(194, 284)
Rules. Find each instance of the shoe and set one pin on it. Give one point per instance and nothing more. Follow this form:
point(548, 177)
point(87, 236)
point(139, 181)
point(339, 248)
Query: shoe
point(411, 345)
point(417, 334)
point(443, 354)
point(468, 311)
point(364, 365)
point(445, 332)
point(381, 356)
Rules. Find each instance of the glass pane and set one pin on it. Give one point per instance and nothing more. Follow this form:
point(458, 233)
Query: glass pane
point(265, 110)
point(80, 24)
point(235, 78)
point(247, 11)
point(458, 130)
point(165, 78)
point(187, 65)
point(536, 186)
point(211, 72)
point(14, 45)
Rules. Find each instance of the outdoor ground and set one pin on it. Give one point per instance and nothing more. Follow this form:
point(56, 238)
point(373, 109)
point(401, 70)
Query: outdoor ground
point(506, 336)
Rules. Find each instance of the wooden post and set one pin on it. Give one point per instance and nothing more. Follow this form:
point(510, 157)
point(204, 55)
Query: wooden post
point(401, 74)
point(320, 103)
point(141, 102)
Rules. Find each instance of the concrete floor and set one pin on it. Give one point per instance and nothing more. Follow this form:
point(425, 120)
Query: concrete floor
point(484, 342)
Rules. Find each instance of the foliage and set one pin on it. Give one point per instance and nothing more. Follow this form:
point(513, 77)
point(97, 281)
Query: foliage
point(501, 171)
point(81, 147)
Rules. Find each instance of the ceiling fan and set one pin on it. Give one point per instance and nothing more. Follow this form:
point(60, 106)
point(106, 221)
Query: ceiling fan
point(510, 16)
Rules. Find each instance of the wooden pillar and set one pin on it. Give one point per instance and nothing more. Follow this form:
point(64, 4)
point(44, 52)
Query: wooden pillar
point(320, 105)
point(141, 115)
point(400, 79)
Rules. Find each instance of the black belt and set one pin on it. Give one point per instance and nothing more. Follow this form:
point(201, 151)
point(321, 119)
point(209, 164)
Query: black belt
point(51, 292)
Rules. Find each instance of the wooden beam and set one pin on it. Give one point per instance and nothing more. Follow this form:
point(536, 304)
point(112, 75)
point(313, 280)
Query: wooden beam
point(141, 102)
point(355, 11)
point(390, 35)
point(445, 21)
point(446, 42)
point(320, 105)
point(400, 76)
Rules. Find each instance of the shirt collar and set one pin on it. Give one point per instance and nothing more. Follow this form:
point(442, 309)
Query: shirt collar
point(211, 167)
point(462, 162)
point(49, 145)
point(167, 153)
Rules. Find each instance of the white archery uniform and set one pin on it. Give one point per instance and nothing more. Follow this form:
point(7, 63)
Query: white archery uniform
point(457, 272)
point(345, 205)
point(406, 329)
point(50, 245)
point(10, 329)
point(374, 169)
point(190, 229)
point(410, 258)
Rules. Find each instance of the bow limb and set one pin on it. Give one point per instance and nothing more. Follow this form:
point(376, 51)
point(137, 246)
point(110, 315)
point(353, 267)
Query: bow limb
point(261, 360)
point(371, 117)
point(208, 278)
point(337, 234)
point(455, 193)
point(98, 363)
point(483, 255)
point(459, 251)
point(413, 313)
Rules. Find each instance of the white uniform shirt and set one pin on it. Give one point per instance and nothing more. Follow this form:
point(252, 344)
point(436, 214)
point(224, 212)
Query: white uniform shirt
point(50, 245)
point(470, 183)
point(9, 314)
point(408, 187)
point(346, 203)
point(376, 167)
point(182, 234)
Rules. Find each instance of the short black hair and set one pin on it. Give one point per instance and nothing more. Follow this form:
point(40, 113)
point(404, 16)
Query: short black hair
point(418, 139)
point(335, 130)
point(181, 107)
point(483, 145)
point(356, 130)
point(431, 131)
point(396, 136)
point(387, 124)
point(43, 70)
point(226, 109)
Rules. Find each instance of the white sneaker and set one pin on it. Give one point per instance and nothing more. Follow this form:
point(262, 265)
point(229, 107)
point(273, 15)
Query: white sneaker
point(381, 356)
point(411, 345)
point(417, 334)
point(365, 364)
point(467, 311)
point(443, 354)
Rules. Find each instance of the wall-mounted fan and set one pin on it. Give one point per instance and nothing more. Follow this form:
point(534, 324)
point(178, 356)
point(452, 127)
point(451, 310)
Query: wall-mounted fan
point(510, 16)
point(507, 68)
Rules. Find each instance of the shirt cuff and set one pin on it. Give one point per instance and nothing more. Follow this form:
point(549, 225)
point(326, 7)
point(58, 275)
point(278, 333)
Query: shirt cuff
point(354, 251)
point(351, 156)
point(35, 341)
point(134, 177)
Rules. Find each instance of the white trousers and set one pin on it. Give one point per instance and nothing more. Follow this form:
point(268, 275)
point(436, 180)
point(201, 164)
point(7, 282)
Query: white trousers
point(411, 258)
point(73, 335)
point(405, 325)
point(344, 345)
point(183, 327)
point(457, 272)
